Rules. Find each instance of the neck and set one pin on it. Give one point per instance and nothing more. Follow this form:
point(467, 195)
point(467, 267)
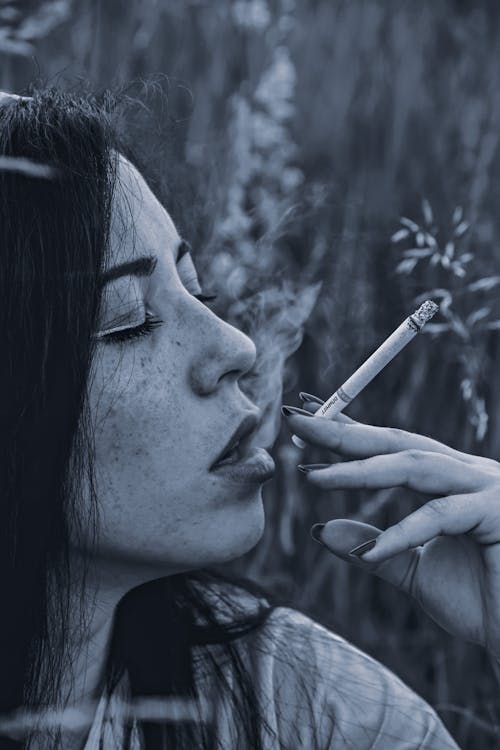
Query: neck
point(107, 582)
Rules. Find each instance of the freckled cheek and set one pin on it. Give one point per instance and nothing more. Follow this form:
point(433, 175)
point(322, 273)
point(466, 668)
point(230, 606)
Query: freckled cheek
point(137, 429)
point(142, 422)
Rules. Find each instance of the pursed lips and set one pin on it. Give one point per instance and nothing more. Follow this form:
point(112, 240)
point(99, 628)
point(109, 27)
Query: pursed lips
point(241, 438)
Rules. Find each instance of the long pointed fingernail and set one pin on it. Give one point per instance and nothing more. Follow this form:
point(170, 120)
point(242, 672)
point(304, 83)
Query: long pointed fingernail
point(315, 532)
point(287, 411)
point(309, 397)
point(362, 548)
point(311, 467)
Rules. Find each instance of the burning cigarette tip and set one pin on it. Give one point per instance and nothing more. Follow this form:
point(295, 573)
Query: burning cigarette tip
point(425, 312)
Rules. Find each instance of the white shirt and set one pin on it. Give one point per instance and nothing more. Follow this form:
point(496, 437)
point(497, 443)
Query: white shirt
point(316, 691)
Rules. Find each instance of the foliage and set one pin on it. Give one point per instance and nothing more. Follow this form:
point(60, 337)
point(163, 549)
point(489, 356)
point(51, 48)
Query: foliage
point(467, 317)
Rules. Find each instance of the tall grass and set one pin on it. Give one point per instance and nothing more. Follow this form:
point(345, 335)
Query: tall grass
point(304, 132)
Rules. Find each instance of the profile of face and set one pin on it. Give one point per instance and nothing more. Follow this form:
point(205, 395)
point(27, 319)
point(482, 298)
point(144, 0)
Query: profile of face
point(165, 404)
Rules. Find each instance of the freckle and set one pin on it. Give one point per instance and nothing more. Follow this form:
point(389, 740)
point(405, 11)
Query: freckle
point(178, 343)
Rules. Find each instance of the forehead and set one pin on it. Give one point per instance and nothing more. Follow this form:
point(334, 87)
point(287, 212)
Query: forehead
point(140, 225)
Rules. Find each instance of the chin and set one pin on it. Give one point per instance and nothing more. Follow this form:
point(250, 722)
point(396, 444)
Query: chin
point(223, 534)
point(238, 534)
point(249, 541)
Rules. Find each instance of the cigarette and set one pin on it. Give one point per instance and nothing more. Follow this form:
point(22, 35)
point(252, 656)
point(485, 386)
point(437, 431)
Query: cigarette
point(386, 352)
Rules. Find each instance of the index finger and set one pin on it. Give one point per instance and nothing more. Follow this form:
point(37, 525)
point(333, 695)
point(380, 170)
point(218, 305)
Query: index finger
point(358, 440)
point(313, 408)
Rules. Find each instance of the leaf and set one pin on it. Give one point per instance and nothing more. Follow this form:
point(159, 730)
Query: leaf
point(461, 229)
point(458, 270)
point(438, 292)
point(15, 46)
point(45, 18)
point(492, 325)
point(407, 265)
point(466, 258)
point(409, 223)
point(436, 328)
point(401, 234)
point(9, 14)
point(443, 294)
point(445, 261)
point(417, 252)
point(457, 215)
point(445, 306)
point(480, 418)
point(420, 238)
point(484, 284)
point(449, 249)
point(430, 239)
point(427, 212)
point(458, 327)
point(435, 259)
point(482, 429)
point(466, 388)
point(478, 315)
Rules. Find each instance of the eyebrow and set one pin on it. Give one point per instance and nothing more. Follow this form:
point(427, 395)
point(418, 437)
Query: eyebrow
point(143, 266)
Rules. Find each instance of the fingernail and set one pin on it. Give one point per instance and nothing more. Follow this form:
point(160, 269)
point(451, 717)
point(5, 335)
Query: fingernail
point(311, 467)
point(309, 397)
point(362, 548)
point(287, 411)
point(315, 532)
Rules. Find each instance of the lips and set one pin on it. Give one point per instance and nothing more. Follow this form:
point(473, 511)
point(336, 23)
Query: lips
point(239, 440)
point(254, 468)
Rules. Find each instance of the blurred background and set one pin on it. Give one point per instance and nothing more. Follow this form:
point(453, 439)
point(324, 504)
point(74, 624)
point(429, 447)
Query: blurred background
point(333, 163)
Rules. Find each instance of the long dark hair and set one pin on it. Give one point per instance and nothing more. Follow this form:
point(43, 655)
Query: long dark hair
point(54, 234)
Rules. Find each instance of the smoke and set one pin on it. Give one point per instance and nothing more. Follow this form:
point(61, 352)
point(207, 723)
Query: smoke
point(274, 318)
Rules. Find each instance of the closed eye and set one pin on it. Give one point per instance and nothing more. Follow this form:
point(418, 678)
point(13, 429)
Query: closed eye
point(125, 334)
point(151, 322)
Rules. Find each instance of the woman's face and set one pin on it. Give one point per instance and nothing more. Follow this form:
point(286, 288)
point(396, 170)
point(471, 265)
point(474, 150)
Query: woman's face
point(166, 403)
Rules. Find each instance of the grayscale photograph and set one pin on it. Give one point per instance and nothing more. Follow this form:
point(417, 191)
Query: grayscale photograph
point(249, 375)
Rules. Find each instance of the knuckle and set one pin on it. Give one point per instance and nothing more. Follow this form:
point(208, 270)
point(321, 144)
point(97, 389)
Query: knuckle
point(395, 435)
point(494, 466)
point(401, 528)
point(413, 454)
point(409, 529)
point(359, 465)
point(434, 508)
point(335, 432)
point(491, 470)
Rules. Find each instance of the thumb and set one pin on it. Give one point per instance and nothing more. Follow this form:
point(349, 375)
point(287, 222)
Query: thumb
point(341, 536)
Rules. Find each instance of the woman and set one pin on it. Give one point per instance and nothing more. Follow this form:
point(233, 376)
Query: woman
point(120, 488)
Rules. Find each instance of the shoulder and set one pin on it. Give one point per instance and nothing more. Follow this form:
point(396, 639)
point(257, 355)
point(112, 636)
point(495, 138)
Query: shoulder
point(316, 689)
point(347, 697)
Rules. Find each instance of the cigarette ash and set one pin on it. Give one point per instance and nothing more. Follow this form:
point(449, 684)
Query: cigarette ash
point(425, 312)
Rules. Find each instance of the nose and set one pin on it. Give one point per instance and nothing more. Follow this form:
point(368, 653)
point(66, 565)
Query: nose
point(225, 352)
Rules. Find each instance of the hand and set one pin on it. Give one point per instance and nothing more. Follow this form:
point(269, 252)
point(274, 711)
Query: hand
point(447, 553)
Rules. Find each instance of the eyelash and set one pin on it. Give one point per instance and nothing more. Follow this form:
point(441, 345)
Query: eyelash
point(149, 324)
point(131, 333)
